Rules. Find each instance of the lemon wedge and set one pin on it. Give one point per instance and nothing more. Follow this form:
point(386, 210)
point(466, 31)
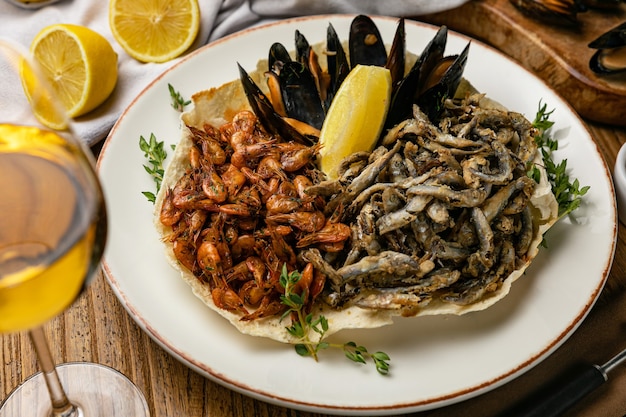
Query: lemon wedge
point(154, 30)
point(79, 64)
point(355, 117)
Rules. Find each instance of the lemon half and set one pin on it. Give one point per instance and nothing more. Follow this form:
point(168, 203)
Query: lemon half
point(154, 30)
point(356, 116)
point(80, 66)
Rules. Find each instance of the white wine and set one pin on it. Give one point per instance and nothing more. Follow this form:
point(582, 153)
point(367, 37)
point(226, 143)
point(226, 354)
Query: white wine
point(52, 225)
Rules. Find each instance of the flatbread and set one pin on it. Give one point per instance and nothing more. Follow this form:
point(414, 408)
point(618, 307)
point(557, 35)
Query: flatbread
point(218, 106)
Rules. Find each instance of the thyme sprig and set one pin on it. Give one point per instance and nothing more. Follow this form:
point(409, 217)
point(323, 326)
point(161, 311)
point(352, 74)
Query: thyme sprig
point(155, 153)
point(304, 324)
point(178, 102)
point(568, 193)
point(154, 150)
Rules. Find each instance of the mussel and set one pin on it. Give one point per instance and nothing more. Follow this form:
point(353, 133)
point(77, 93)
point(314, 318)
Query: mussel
point(301, 91)
point(297, 87)
point(271, 120)
point(562, 12)
point(599, 4)
point(558, 12)
point(337, 63)
point(610, 57)
point(366, 46)
point(431, 80)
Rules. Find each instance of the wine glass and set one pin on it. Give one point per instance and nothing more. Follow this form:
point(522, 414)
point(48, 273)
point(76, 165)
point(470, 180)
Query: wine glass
point(52, 236)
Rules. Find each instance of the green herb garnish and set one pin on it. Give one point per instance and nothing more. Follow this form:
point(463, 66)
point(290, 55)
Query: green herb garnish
point(154, 150)
point(155, 154)
point(568, 193)
point(178, 102)
point(303, 324)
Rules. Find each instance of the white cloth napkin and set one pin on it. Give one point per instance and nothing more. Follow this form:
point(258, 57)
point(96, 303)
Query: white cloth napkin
point(218, 18)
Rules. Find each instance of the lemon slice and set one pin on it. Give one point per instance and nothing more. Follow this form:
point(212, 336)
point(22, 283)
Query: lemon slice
point(355, 117)
point(154, 30)
point(80, 65)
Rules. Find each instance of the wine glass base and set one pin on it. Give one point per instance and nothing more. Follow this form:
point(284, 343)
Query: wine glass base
point(98, 391)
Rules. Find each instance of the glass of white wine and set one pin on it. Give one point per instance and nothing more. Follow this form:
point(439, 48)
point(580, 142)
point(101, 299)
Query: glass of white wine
point(52, 236)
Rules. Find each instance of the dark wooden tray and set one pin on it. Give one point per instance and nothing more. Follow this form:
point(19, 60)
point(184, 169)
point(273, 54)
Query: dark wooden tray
point(558, 55)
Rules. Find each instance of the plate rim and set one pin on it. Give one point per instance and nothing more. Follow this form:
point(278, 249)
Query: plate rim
point(421, 405)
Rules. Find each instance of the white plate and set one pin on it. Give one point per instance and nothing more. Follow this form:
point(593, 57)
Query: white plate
point(435, 360)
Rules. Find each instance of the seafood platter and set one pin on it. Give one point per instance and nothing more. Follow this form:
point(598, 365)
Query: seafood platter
point(429, 246)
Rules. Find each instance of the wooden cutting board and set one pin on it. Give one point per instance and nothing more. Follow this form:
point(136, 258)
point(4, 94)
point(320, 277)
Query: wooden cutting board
point(558, 55)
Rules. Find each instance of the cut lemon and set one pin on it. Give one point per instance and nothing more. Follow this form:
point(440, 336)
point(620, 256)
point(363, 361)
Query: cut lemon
point(154, 30)
point(80, 65)
point(355, 117)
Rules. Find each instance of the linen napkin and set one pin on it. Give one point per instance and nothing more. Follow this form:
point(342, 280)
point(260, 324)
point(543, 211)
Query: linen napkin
point(218, 18)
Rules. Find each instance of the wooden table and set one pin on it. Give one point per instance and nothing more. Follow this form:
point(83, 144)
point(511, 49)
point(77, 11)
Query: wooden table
point(98, 329)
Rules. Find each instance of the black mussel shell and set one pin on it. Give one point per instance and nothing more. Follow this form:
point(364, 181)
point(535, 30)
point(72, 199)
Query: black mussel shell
point(262, 107)
point(410, 87)
point(308, 57)
point(302, 47)
point(614, 38)
point(609, 61)
point(431, 57)
point(297, 86)
point(557, 12)
point(366, 46)
point(598, 4)
point(610, 57)
point(278, 53)
point(431, 101)
point(337, 63)
point(301, 97)
point(397, 56)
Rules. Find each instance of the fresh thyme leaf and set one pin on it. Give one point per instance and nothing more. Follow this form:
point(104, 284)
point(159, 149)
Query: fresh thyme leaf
point(568, 193)
point(302, 325)
point(155, 153)
point(150, 196)
point(178, 102)
point(323, 345)
point(381, 360)
point(302, 350)
point(154, 150)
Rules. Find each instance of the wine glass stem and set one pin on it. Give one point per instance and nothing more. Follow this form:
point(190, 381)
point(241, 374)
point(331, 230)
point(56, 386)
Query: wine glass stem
point(61, 406)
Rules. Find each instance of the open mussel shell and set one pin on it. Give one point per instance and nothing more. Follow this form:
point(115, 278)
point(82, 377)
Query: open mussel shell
point(557, 12)
point(599, 4)
point(431, 101)
point(397, 56)
point(303, 48)
point(300, 94)
point(366, 46)
point(300, 91)
point(608, 61)
point(277, 56)
point(295, 85)
point(262, 107)
point(410, 87)
point(610, 57)
point(337, 63)
point(307, 56)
